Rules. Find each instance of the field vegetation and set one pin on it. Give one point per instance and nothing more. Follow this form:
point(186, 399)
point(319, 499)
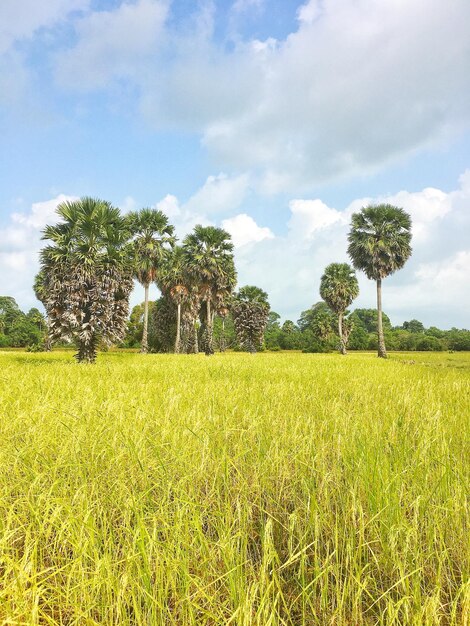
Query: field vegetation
point(293, 489)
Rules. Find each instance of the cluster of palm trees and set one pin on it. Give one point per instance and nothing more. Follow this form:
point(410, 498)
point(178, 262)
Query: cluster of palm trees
point(379, 244)
point(95, 253)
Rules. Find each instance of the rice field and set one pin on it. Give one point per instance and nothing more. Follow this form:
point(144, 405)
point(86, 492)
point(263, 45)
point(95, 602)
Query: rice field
point(275, 489)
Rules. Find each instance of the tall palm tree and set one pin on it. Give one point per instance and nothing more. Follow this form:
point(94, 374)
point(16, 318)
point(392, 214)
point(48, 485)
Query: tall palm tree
point(379, 244)
point(209, 257)
point(173, 279)
point(338, 288)
point(152, 237)
point(85, 277)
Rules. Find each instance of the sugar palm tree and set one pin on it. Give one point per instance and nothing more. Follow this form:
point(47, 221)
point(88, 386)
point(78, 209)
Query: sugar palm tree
point(85, 277)
point(338, 288)
point(209, 258)
point(152, 237)
point(250, 312)
point(174, 280)
point(379, 244)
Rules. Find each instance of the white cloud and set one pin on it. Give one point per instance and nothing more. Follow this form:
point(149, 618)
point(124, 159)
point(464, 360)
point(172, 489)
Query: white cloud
point(309, 12)
point(20, 242)
point(113, 44)
point(244, 230)
point(310, 216)
point(358, 85)
point(20, 19)
point(170, 206)
point(219, 194)
point(428, 287)
point(41, 213)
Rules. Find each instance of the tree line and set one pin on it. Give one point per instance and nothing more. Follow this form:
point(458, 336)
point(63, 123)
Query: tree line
point(314, 331)
point(94, 253)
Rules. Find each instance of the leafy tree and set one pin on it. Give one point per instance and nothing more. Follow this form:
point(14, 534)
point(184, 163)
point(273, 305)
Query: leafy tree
point(367, 319)
point(135, 325)
point(379, 244)
point(87, 276)
point(359, 338)
point(459, 339)
point(19, 330)
point(319, 325)
point(414, 326)
point(250, 310)
point(428, 343)
point(272, 331)
point(209, 259)
point(9, 312)
point(25, 332)
point(152, 236)
point(338, 288)
point(290, 337)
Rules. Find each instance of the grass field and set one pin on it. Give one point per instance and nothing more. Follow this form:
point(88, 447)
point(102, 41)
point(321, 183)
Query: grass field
point(294, 489)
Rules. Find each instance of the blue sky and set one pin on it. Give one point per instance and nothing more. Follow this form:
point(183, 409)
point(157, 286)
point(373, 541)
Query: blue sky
point(273, 118)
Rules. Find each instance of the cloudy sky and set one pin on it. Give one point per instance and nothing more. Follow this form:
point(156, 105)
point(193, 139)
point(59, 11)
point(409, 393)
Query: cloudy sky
point(276, 119)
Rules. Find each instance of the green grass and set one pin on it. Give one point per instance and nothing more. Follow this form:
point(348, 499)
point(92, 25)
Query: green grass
point(293, 489)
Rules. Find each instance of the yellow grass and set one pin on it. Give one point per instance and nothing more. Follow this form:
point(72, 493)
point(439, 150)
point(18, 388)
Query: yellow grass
point(292, 489)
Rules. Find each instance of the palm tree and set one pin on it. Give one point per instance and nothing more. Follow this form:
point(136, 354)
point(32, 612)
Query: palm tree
point(173, 279)
point(379, 244)
point(338, 288)
point(40, 294)
point(250, 312)
point(209, 257)
point(86, 278)
point(152, 236)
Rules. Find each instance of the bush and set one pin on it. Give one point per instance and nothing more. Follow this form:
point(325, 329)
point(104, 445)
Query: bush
point(429, 344)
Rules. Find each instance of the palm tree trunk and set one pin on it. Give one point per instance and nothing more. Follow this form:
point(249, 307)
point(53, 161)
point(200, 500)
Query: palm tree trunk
point(208, 340)
point(382, 353)
point(178, 330)
point(145, 346)
point(196, 339)
point(87, 351)
point(342, 346)
point(222, 336)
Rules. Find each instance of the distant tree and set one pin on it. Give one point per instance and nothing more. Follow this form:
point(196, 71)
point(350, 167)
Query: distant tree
point(250, 311)
point(428, 343)
point(9, 312)
point(152, 236)
point(290, 337)
point(87, 275)
point(135, 325)
point(338, 288)
point(459, 339)
point(318, 325)
point(367, 319)
point(359, 338)
point(414, 326)
point(379, 244)
point(272, 331)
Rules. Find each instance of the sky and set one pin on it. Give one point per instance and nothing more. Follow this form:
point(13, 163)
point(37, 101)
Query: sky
point(274, 119)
